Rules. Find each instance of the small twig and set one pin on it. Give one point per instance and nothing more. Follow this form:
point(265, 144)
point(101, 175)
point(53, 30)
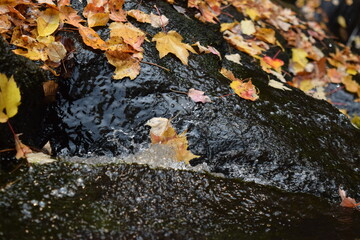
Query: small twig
point(7, 150)
point(276, 54)
point(227, 95)
point(154, 64)
point(286, 72)
point(227, 14)
point(139, 4)
point(178, 91)
point(224, 7)
point(9, 184)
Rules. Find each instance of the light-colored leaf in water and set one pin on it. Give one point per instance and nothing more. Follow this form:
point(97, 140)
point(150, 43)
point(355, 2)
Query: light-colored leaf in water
point(39, 158)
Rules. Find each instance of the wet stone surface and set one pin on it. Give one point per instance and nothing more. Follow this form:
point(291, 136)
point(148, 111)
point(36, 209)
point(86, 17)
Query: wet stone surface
point(123, 201)
point(281, 158)
point(29, 78)
point(284, 139)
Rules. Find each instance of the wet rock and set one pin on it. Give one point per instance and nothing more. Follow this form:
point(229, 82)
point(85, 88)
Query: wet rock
point(29, 118)
point(284, 139)
point(80, 201)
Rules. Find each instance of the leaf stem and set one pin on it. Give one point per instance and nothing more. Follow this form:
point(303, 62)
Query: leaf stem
point(276, 54)
point(154, 64)
point(178, 91)
point(227, 95)
point(162, 23)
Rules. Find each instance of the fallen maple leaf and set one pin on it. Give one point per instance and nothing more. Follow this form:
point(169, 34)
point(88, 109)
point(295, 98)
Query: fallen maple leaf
point(198, 96)
point(244, 89)
point(48, 21)
point(171, 42)
point(239, 43)
point(253, 13)
point(69, 15)
point(96, 15)
point(158, 21)
point(129, 33)
point(56, 51)
point(350, 84)
point(347, 201)
point(21, 149)
point(139, 15)
point(274, 63)
point(299, 60)
point(126, 64)
point(162, 132)
point(9, 98)
point(117, 13)
point(50, 88)
point(247, 27)
point(266, 34)
point(209, 10)
point(91, 38)
point(208, 49)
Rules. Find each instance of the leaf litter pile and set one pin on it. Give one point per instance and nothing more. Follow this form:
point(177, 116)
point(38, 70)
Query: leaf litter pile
point(33, 26)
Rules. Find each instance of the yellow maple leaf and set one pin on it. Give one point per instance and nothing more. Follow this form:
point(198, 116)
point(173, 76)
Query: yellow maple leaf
point(98, 19)
point(48, 21)
point(253, 13)
point(299, 59)
point(162, 132)
point(266, 34)
point(9, 98)
point(171, 42)
point(351, 85)
point(228, 26)
point(139, 15)
point(33, 52)
point(126, 65)
point(129, 33)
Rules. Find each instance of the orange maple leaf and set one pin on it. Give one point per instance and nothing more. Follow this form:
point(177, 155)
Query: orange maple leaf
point(162, 132)
point(347, 201)
point(91, 38)
point(244, 89)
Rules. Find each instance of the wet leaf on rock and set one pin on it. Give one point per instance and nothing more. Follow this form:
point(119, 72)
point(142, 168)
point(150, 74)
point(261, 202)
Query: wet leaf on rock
point(162, 132)
point(9, 98)
point(171, 42)
point(244, 89)
point(198, 96)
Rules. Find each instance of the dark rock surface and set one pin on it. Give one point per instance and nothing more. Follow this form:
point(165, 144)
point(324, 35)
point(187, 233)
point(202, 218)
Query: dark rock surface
point(285, 139)
point(80, 201)
point(30, 116)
